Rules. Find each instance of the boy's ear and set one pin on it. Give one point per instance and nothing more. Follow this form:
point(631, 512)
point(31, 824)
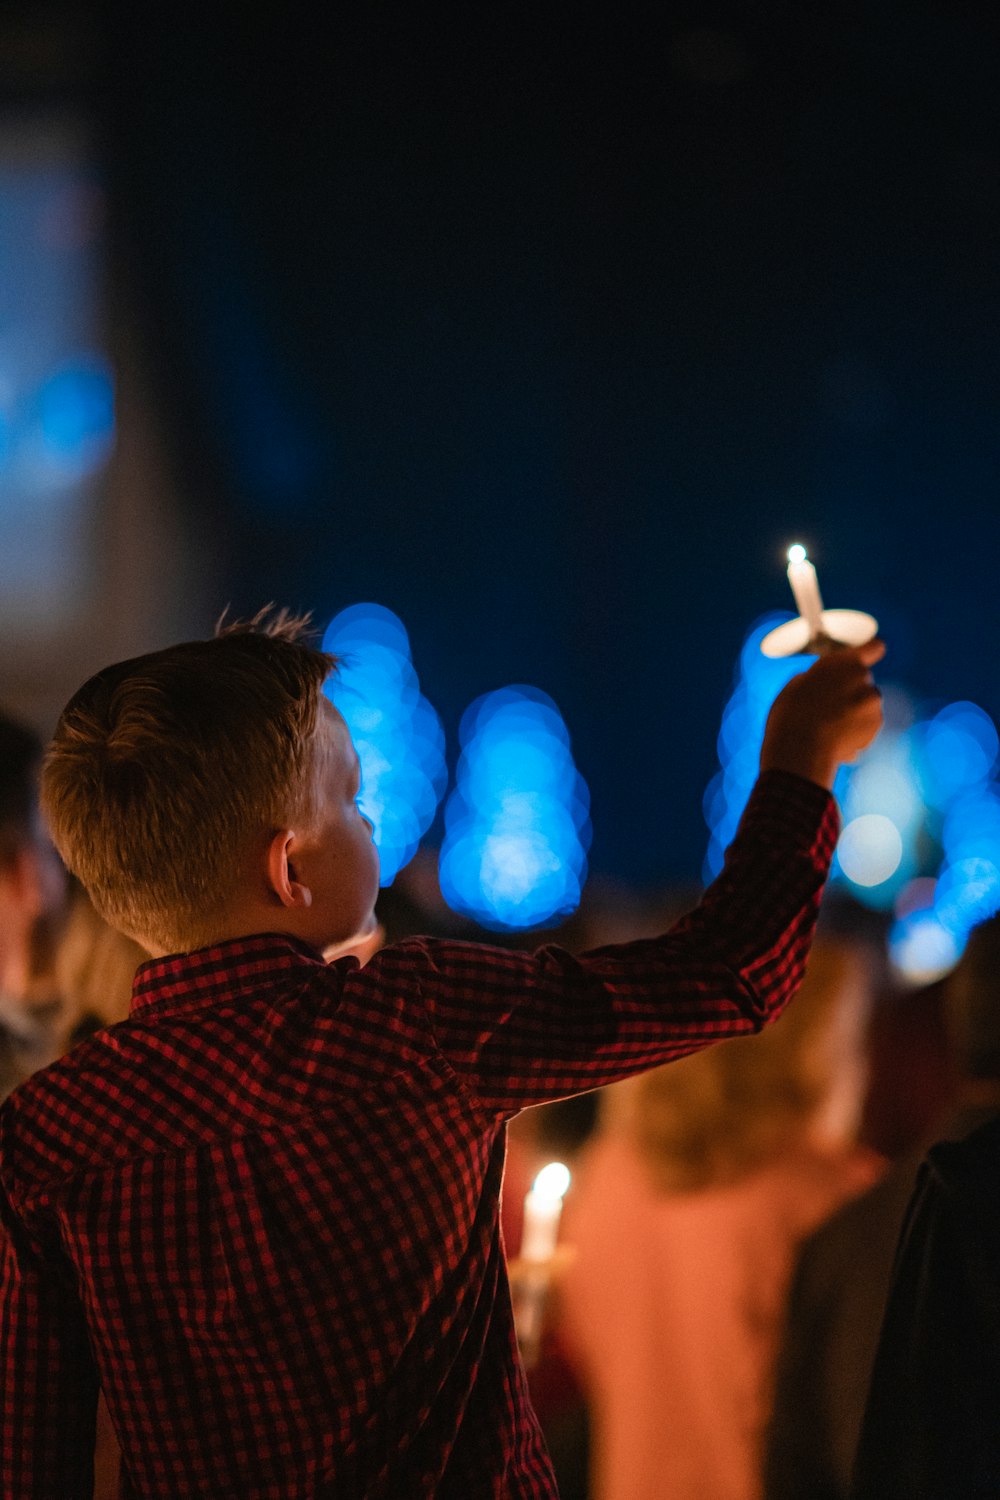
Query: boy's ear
point(281, 872)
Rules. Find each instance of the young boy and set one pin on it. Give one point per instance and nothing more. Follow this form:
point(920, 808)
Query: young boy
point(262, 1214)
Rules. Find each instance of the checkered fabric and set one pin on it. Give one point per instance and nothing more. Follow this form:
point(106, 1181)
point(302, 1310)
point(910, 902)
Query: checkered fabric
point(262, 1213)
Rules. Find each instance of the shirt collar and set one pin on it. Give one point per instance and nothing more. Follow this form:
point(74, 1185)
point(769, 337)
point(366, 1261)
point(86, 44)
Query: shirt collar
point(222, 972)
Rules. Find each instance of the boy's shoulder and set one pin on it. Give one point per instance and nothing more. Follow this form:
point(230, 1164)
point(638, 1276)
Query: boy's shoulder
point(47, 1084)
point(49, 1116)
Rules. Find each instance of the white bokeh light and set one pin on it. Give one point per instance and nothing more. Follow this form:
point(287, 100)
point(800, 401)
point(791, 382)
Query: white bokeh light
point(870, 849)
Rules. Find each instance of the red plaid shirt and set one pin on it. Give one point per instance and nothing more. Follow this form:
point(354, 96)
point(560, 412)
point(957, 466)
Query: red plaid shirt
point(262, 1213)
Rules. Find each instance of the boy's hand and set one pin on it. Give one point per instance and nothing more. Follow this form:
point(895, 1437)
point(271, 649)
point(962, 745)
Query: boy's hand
point(825, 716)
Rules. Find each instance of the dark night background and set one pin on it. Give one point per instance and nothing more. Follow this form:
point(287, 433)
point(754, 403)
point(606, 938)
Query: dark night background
point(549, 328)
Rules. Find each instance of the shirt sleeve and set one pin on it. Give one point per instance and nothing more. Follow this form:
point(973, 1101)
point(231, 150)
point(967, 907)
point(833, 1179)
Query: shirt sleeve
point(48, 1383)
point(523, 1028)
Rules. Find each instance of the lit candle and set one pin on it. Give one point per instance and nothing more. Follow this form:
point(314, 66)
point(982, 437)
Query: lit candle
point(802, 577)
point(542, 1208)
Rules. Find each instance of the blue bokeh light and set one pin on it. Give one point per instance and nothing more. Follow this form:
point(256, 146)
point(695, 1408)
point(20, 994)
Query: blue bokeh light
point(921, 811)
point(967, 892)
point(396, 732)
point(972, 824)
point(517, 825)
point(6, 439)
point(959, 748)
point(76, 413)
point(759, 680)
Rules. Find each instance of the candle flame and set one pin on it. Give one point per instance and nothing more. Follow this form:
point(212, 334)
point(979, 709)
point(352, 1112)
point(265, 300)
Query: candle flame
point(796, 553)
point(552, 1181)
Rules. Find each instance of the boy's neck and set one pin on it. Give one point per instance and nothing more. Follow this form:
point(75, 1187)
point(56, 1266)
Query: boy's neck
point(362, 944)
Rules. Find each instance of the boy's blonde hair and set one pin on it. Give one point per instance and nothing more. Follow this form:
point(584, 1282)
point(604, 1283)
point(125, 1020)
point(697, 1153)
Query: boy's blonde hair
point(165, 769)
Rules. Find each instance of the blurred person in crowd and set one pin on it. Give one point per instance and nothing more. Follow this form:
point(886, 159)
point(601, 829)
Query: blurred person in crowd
point(94, 967)
point(64, 972)
point(838, 1300)
point(685, 1218)
point(931, 1425)
point(912, 1070)
point(32, 902)
point(10, 1063)
point(838, 1289)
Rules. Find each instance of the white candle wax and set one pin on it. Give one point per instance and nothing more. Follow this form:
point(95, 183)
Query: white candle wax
point(805, 587)
point(542, 1210)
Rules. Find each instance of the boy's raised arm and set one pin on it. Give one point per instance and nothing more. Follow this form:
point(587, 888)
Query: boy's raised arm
point(48, 1384)
point(522, 1028)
